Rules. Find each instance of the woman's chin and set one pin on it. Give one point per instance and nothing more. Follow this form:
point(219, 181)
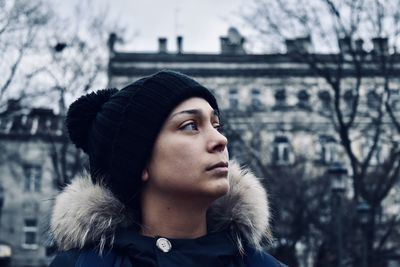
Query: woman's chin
point(219, 188)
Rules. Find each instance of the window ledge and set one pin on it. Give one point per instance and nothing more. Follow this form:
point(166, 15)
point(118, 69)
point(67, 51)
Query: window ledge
point(30, 247)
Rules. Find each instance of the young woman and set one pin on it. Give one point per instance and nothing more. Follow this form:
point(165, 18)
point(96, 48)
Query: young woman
point(161, 189)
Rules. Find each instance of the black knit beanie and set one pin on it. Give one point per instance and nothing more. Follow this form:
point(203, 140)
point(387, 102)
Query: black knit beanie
point(118, 129)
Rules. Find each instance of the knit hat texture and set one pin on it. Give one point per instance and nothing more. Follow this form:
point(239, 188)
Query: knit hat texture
point(118, 129)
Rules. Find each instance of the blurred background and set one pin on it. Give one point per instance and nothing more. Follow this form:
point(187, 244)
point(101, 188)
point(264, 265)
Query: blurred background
point(309, 93)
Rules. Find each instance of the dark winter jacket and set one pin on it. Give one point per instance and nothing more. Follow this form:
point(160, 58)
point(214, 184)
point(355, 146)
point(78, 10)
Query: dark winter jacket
point(92, 228)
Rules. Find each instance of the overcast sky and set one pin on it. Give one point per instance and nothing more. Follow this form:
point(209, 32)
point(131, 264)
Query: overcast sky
point(200, 22)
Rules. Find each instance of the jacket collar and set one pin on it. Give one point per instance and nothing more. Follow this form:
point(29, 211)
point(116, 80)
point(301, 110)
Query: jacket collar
point(214, 249)
point(85, 213)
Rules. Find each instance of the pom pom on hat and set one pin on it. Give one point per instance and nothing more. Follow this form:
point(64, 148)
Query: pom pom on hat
point(82, 113)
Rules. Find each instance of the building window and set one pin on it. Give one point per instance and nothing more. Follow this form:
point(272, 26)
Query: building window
point(233, 99)
point(328, 153)
point(282, 151)
point(326, 100)
point(33, 178)
point(35, 125)
point(348, 97)
point(256, 100)
point(280, 98)
point(303, 99)
point(395, 98)
point(30, 234)
point(373, 99)
point(5, 124)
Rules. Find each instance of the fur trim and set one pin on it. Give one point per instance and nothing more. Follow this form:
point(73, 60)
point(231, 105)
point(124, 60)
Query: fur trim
point(86, 213)
point(245, 207)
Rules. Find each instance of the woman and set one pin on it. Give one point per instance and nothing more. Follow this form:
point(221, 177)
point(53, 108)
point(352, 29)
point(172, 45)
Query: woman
point(161, 191)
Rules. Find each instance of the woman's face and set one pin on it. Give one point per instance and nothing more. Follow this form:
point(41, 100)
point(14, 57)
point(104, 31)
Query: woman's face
point(190, 156)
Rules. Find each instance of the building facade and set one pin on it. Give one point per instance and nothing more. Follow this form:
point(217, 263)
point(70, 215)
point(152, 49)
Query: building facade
point(28, 138)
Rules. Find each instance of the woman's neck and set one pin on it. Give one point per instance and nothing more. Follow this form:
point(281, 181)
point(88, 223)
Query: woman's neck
point(172, 217)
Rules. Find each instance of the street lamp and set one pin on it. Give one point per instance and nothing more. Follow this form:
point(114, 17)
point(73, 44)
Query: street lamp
point(337, 176)
point(363, 211)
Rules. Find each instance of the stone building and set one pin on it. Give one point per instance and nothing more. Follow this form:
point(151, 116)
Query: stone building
point(27, 179)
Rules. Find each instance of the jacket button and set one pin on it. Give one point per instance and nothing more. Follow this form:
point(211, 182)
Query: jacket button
point(163, 244)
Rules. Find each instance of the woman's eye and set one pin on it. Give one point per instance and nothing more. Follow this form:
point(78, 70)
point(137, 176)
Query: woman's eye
point(192, 126)
point(218, 126)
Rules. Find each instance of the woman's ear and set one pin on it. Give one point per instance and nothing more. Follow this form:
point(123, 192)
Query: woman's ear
point(145, 175)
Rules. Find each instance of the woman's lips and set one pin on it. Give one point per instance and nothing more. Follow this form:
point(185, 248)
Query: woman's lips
point(220, 164)
point(219, 169)
point(219, 172)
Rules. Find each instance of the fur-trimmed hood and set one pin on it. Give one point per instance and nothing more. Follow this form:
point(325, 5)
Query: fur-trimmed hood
point(85, 213)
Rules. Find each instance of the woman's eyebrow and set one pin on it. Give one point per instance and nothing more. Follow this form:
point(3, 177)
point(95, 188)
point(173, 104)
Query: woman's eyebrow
point(196, 112)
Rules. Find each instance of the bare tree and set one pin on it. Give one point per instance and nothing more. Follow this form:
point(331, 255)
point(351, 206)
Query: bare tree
point(20, 24)
point(77, 64)
point(352, 46)
point(70, 59)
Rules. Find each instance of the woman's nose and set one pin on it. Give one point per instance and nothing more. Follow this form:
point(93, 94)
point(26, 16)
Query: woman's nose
point(217, 141)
